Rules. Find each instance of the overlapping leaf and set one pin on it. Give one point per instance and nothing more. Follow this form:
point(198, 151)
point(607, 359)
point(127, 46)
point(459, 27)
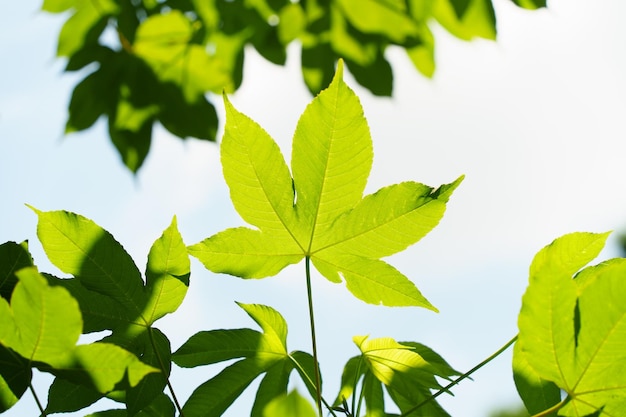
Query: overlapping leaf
point(320, 213)
point(260, 352)
point(42, 324)
point(573, 332)
point(112, 296)
point(406, 370)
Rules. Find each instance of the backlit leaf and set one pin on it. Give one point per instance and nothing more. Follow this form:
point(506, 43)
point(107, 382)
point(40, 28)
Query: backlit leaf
point(167, 274)
point(571, 335)
point(320, 213)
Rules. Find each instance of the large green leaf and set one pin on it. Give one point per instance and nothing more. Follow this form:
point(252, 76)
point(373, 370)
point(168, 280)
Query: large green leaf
point(320, 213)
point(573, 334)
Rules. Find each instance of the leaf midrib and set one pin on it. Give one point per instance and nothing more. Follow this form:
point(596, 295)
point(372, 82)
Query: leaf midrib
point(372, 229)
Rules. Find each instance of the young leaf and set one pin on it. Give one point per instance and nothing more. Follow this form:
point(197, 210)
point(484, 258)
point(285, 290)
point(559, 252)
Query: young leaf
point(167, 274)
point(573, 335)
point(321, 212)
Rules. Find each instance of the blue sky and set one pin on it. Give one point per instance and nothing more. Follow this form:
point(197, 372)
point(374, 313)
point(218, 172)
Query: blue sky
point(535, 122)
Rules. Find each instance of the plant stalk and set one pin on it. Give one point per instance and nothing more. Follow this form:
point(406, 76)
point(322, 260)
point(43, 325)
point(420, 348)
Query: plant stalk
point(462, 377)
point(318, 384)
point(41, 409)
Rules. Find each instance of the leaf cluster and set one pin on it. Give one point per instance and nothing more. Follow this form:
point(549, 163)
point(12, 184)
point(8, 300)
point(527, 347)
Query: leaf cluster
point(319, 214)
point(153, 61)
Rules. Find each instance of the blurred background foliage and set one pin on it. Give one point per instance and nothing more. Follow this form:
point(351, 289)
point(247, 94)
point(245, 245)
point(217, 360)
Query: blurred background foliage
point(149, 61)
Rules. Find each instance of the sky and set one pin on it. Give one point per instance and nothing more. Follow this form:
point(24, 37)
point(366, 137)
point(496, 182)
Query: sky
point(535, 121)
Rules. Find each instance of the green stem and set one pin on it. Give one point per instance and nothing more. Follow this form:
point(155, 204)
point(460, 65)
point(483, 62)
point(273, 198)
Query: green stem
point(32, 390)
point(318, 384)
point(552, 409)
point(462, 377)
point(356, 380)
point(167, 379)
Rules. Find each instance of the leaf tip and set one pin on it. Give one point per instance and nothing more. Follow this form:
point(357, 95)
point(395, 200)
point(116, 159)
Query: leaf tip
point(37, 211)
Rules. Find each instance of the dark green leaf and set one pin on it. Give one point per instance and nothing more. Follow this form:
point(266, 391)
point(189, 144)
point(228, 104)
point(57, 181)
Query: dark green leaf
point(213, 397)
point(100, 312)
point(65, 396)
point(15, 376)
point(13, 257)
point(318, 66)
point(132, 146)
point(214, 346)
point(93, 97)
point(89, 55)
point(376, 77)
point(184, 119)
point(460, 7)
point(273, 384)
point(157, 353)
point(305, 365)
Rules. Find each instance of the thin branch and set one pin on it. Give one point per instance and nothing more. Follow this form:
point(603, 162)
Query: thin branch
point(461, 378)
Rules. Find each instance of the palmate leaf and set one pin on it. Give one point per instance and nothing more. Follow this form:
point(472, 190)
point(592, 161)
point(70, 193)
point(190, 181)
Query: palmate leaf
point(112, 296)
point(320, 213)
point(573, 332)
point(260, 353)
